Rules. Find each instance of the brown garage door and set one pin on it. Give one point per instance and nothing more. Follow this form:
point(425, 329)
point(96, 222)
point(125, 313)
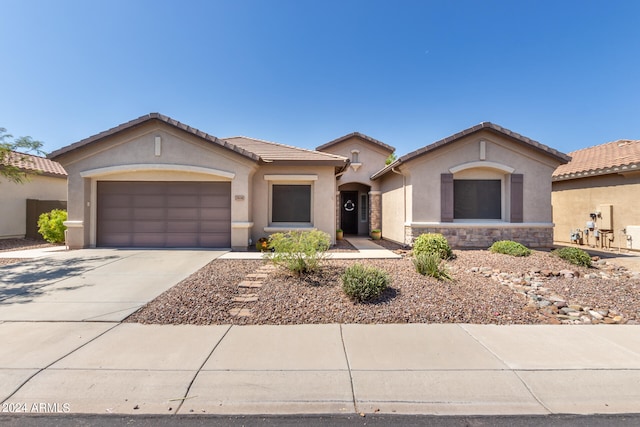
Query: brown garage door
point(164, 214)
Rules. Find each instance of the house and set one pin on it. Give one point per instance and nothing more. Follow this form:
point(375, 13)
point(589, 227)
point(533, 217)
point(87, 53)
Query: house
point(596, 196)
point(155, 182)
point(44, 188)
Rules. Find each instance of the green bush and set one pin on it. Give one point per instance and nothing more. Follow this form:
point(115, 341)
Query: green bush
point(509, 247)
point(430, 264)
point(51, 227)
point(299, 251)
point(362, 283)
point(574, 255)
point(432, 243)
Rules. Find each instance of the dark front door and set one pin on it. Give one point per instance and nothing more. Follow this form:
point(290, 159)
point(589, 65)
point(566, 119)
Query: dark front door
point(349, 212)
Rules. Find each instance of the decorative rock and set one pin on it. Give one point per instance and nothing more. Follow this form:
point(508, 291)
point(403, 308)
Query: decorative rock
point(596, 315)
point(245, 298)
point(250, 284)
point(240, 312)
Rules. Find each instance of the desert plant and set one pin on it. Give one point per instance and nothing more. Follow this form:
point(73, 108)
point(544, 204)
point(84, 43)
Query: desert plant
point(430, 264)
point(362, 283)
point(432, 243)
point(299, 251)
point(574, 255)
point(51, 227)
point(509, 247)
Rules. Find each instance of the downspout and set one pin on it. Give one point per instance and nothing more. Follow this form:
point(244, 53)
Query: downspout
point(404, 195)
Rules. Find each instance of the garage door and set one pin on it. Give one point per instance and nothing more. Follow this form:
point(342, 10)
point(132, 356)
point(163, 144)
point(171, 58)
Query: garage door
point(164, 214)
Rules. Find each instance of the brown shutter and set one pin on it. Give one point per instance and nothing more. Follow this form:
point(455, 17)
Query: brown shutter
point(446, 197)
point(517, 214)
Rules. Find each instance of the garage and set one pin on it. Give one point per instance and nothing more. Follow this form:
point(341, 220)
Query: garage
point(163, 214)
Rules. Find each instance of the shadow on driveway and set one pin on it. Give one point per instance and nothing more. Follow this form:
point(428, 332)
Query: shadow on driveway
point(26, 278)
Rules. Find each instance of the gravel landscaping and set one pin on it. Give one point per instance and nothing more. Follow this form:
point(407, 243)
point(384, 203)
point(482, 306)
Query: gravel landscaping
point(7, 245)
point(487, 288)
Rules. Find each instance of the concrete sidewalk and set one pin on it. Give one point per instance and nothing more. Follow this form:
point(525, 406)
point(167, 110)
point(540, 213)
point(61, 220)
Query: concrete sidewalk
point(367, 249)
point(451, 369)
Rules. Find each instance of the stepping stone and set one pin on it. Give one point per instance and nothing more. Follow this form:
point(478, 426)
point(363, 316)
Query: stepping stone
point(257, 276)
point(240, 312)
point(250, 284)
point(245, 298)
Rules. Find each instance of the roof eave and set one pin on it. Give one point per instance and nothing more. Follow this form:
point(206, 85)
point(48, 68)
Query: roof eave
point(356, 135)
point(145, 119)
point(590, 173)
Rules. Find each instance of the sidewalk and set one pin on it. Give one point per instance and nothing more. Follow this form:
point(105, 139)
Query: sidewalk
point(449, 369)
point(366, 249)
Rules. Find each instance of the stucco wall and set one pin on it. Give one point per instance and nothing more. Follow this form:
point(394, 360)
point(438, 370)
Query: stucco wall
point(14, 206)
point(182, 157)
point(575, 199)
point(323, 183)
point(371, 159)
point(393, 208)
point(423, 174)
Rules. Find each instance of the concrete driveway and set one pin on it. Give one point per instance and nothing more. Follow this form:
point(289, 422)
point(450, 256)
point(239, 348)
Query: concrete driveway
point(92, 284)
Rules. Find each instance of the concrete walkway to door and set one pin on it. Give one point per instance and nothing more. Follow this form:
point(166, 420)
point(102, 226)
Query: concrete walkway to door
point(92, 284)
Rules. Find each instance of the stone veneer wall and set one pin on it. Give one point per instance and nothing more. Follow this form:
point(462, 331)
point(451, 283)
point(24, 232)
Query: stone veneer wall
point(375, 210)
point(483, 237)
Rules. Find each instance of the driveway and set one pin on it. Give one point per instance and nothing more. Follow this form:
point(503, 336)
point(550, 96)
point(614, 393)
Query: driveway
point(93, 284)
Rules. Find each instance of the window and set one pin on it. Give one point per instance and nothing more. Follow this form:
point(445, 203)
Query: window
point(364, 207)
point(291, 203)
point(477, 199)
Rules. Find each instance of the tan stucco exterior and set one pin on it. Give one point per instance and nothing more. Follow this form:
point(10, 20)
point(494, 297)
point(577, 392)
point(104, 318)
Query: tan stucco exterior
point(132, 156)
point(322, 181)
point(574, 200)
point(481, 155)
point(366, 158)
point(403, 199)
point(14, 201)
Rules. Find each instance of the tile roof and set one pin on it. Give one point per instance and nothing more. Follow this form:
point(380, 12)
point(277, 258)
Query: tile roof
point(30, 162)
point(143, 119)
point(563, 158)
point(612, 157)
point(274, 152)
point(357, 135)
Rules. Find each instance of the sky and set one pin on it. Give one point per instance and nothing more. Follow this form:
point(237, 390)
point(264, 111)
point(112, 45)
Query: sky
point(565, 73)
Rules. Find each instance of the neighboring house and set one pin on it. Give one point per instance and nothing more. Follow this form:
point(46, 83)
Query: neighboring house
point(596, 196)
point(156, 182)
point(46, 181)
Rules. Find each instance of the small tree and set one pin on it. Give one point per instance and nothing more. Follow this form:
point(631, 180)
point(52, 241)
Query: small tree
point(11, 153)
point(392, 158)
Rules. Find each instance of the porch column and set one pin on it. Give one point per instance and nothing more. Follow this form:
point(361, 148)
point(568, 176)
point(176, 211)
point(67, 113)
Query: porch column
point(375, 210)
point(337, 210)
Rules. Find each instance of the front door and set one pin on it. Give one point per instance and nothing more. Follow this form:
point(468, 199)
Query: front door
point(349, 212)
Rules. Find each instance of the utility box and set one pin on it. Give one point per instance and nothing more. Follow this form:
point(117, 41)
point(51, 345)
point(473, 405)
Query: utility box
point(633, 237)
point(605, 222)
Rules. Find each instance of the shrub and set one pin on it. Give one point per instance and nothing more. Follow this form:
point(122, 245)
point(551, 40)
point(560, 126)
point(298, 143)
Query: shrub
point(51, 227)
point(432, 243)
point(430, 264)
point(362, 283)
point(574, 255)
point(299, 251)
point(509, 247)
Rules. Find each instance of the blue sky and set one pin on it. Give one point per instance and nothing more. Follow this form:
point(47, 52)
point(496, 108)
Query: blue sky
point(302, 72)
